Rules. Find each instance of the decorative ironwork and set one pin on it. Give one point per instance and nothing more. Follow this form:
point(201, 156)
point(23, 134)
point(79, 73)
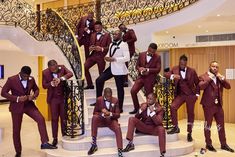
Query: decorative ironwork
point(49, 25)
point(163, 88)
point(72, 14)
point(115, 12)
point(52, 27)
point(74, 98)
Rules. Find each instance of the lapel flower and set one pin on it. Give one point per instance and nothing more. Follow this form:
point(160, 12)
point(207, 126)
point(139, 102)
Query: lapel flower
point(112, 104)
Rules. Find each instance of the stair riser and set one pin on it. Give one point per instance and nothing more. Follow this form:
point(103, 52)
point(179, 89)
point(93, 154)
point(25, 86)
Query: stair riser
point(138, 140)
point(105, 131)
point(122, 119)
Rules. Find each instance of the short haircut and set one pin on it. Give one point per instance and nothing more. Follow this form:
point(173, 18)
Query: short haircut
point(213, 62)
point(153, 95)
point(98, 23)
point(184, 57)
point(153, 46)
point(108, 90)
point(26, 70)
point(51, 63)
point(120, 25)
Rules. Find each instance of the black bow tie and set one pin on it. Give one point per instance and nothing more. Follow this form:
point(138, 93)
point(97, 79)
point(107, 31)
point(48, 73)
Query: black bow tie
point(98, 33)
point(115, 43)
point(182, 69)
point(149, 54)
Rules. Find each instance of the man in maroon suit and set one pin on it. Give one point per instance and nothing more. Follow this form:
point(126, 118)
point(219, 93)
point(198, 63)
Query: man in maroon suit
point(23, 91)
point(130, 38)
point(99, 45)
point(106, 114)
point(53, 79)
point(186, 90)
point(148, 120)
point(213, 83)
point(148, 66)
point(85, 28)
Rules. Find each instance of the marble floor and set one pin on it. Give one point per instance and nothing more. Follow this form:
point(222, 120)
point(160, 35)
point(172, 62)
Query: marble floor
point(31, 140)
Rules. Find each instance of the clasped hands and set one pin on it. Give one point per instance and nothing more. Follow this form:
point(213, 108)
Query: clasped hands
point(27, 97)
point(105, 112)
point(143, 71)
point(55, 82)
point(95, 48)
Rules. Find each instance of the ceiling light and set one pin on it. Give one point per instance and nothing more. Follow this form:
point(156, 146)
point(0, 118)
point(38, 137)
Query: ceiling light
point(167, 32)
point(207, 31)
point(218, 15)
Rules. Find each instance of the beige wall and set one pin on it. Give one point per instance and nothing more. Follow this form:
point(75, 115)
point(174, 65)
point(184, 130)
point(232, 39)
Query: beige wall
point(13, 59)
point(199, 59)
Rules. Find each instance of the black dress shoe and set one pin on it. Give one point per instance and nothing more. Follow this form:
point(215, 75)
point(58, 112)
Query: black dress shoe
point(48, 146)
point(18, 155)
point(121, 111)
point(93, 104)
point(189, 137)
point(162, 154)
point(93, 149)
point(227, 148)
point(89, 87)
point(133, 112)
point(174, 130)
point(211, 148)
point(55, 142)
point(129, 147)
point(120, 153)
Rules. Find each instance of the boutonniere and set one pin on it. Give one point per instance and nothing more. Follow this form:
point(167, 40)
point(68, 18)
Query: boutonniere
point(30, 78)
point(112, 104)
point(59, 68)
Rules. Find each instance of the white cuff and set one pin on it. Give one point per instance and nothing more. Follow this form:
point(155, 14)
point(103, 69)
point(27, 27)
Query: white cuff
point(88, 31)
point(111, 114)
point(152, 114)
point(222, 78)
point(17, 99)
point(140, 111)
point(172, 77)
point(102, 49)
point(102, 115)
point(63, 78)
point(147, 69)
point(76, 36)
point(52, 84)
point(197, 95)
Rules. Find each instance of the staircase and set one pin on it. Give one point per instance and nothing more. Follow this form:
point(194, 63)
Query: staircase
point(145, 145)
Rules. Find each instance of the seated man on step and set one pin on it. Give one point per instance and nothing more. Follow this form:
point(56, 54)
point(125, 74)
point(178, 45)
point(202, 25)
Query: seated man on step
point(106, 114)
point(148, 120)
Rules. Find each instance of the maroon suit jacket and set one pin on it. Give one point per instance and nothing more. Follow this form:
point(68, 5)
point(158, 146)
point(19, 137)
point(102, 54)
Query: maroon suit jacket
point(81, 26)
point(114, 108)
point(104, 42)
point(14, 85)
point(191, 77)
point(47, 77)
point(154, 66)
point(209, 87)
point(130, 38)
point(155, 120)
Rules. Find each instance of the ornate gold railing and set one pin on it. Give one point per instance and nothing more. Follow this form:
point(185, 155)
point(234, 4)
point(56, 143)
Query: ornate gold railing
point(49, 25)
point(114, 12)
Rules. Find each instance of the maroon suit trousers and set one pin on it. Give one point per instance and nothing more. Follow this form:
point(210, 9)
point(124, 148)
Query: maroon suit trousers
point(147, 129)
point(34, 113)
point(217, 112)
point(57, 108)
point(139, 83)
point(190, 103)
point(92, 60)
point(99, 121)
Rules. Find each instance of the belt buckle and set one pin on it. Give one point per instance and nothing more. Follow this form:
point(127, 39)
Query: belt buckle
point(216, 101)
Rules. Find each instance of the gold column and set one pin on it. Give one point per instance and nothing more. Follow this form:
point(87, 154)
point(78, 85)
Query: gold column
point(41, 100)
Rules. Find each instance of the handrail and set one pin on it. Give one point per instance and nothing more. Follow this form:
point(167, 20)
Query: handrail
point(76, 41)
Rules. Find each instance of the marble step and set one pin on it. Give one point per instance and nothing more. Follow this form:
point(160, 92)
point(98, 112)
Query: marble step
point(110, 141)
point(177, 148)
point(104, 131)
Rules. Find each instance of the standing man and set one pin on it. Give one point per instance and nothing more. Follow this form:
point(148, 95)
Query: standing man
point(148, 66)
point(213, 83)
point(53, 79)
point(186, 90)
point(24, 90)
point(117, 56)
point(106, 114)
point(148, 120)
point(99, 45)
point(130, 38)
point(85, 28)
